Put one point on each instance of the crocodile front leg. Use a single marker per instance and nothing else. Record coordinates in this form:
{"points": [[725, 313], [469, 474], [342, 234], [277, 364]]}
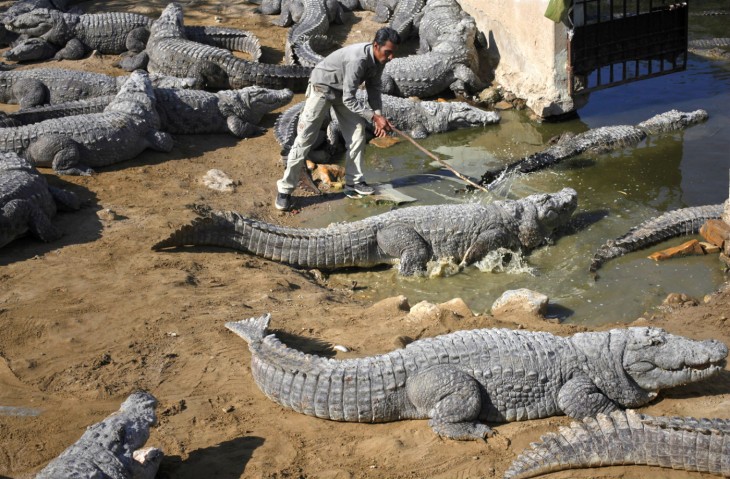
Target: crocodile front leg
{"points": [[488, 241], [19, 213], [130, 61], [60, 152], [580, 397], [402, 241], [243, 129], [30, 92], [73, 50], [452, 399], [137, 39], [160, 141]]}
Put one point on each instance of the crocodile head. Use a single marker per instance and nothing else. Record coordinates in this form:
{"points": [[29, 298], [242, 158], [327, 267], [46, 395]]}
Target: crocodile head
{"points": [[252, 103], [538, 216], [31, 49], [462, 115], [170, 24], [41, 22], [166, 81], [656, 359], [672, 120]]}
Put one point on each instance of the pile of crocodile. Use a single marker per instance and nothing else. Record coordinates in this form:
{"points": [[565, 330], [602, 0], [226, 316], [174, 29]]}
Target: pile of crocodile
{"points": [[59, 35]]}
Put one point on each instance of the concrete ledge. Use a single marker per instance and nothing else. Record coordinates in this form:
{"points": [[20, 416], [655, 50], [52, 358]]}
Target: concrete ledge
{"points": [[530, 52]]}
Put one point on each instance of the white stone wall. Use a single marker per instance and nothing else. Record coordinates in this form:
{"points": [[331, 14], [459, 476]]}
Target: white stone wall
{"points": [[531, 52]]}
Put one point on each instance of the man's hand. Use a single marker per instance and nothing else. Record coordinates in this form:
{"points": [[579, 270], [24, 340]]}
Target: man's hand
{"points": [[382, 125]]}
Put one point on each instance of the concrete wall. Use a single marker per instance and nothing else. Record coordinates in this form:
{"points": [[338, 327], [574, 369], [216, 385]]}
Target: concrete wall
{"points": [[530, 51]]}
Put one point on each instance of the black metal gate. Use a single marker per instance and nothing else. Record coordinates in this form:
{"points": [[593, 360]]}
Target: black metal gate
{"points": [[619, 41]]}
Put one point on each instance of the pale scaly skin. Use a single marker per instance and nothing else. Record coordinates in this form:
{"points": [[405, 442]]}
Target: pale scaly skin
{"points": [[459, 379], [629, 437], [111, 449], [415, 235]]}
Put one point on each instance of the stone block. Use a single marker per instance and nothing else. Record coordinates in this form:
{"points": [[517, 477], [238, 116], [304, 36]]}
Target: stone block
{"points": [[458, 307], [424, 311], [691, 247], [520, 300], [715, 232], [393, 306]]}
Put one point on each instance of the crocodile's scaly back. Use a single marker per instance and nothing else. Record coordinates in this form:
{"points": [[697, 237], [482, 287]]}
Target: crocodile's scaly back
{"points": [[37, 114], [684, 221], [490, 374], [461, 233], [597, 140], [106, 449], [629, 437]]}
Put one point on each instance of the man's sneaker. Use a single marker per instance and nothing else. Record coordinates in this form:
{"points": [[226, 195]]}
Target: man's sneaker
{"points": [[358, 190], [283, 202]]}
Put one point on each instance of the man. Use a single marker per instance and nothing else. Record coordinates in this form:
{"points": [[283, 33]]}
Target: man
{"points": [[333, 83]]}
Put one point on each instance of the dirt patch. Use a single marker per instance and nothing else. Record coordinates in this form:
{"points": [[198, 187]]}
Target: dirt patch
{"points": [[87, 320]]}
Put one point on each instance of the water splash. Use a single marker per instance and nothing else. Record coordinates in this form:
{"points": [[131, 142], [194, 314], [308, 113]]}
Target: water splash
{"points": [[503, 260]]}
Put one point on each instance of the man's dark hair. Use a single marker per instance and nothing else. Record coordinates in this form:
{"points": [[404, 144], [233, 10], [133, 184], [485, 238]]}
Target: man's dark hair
{"points": [[386, 34]]}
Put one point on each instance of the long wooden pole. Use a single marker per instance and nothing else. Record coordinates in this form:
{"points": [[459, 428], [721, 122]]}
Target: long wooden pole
{"points": [[431, 155]]}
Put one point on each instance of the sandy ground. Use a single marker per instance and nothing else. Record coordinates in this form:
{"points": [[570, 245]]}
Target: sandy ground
{"points": [[88, 319]]}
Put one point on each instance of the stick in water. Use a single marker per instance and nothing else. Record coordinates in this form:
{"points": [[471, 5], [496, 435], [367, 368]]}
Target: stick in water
{"points": [[449, 167]]}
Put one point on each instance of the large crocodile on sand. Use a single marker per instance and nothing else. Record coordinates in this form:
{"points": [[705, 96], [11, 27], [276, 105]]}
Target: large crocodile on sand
{"points": [[629, 437], [684, 221], [496, 375], [171, 53], [463, 233], [605, 138], [73, 145], [187, 112], [28, 202], [39, 86], [111, 449]]}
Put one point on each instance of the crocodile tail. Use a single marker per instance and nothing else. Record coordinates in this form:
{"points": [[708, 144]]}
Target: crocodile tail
{"points": [[231, 39], [216, 229], [628, 437], [684, 221], [252, 330]]}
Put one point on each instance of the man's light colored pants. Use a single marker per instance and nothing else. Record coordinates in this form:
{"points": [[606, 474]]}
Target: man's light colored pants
{"points": [[310, 121]]}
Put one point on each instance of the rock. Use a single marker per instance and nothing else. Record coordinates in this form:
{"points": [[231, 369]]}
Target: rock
{"points": [[489, 96], [520, 300], [385, 141], [108, 214], [424, 311], [685, 249], [709, 248], [681, 299], [503, 105], [392, 306], [217, 180], [715, 232], [726, 212], [458, 307]]}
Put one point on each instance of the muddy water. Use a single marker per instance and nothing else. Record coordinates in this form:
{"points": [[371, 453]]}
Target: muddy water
{"points": [[616, 191]]}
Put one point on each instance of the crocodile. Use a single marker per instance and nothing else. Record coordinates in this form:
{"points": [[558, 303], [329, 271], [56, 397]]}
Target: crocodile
{"points": [[404, 17], [59, 35], [596, 140], [496, 375], [28, 202], [185, 112], [111, 449], [464, 233], [448, 64], [630, 437], [684, 221], [418, 118], [314, 22], [56, 85], [170, 53], [75, 144], [709, 43]]}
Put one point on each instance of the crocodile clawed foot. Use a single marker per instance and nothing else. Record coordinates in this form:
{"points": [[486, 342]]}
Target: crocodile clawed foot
{"points": [[462, 431]]}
